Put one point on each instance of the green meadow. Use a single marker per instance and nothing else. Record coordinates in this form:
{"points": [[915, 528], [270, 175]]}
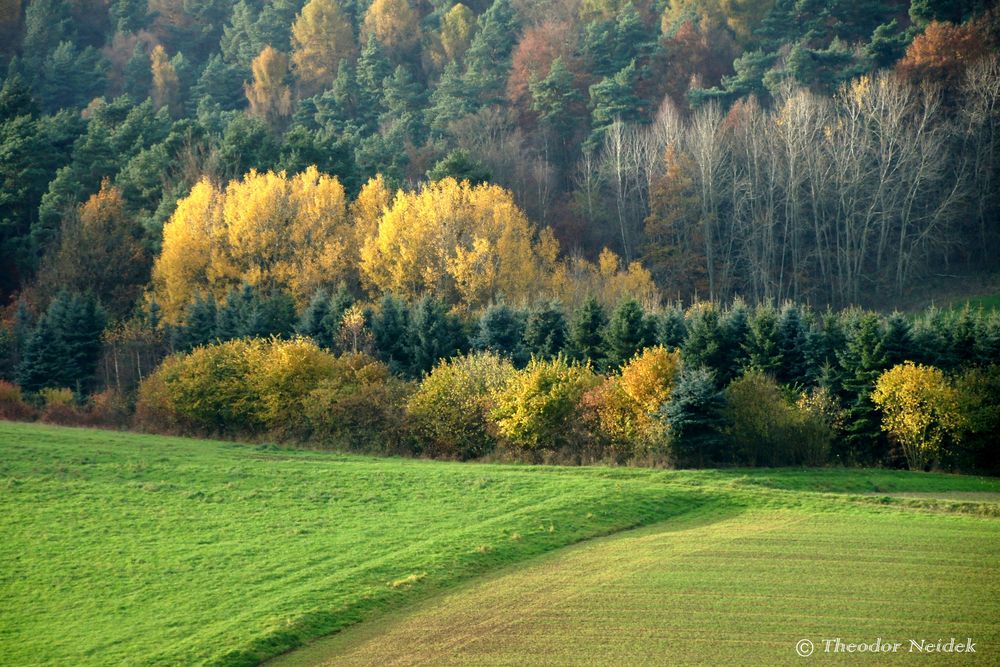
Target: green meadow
{"points": [[118, 548]]}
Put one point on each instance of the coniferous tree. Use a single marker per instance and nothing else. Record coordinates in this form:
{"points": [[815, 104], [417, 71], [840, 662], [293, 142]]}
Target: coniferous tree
{"points": [[693, 416], [763, 350], [545, 332], [793, 367], [703, 347], [65, 345], [391, 329], [199, 325], [671, 329], [501, 330], [434, 334], [629, 331], [449, 101], [586, 333], [862, 360], [613, 99], [488, 58]]}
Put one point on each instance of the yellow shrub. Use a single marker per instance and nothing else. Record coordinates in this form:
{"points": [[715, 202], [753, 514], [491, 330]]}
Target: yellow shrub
{"points": [[920, 410]]}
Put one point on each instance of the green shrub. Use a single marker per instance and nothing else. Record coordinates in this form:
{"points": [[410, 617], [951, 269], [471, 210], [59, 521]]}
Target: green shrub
{"points": [[767, 429], [979, 402], [358, 406], [540, 408], [448, 415]]}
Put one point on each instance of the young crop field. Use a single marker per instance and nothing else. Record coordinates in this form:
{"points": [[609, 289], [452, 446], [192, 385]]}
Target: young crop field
{"points": [[118, 548]]}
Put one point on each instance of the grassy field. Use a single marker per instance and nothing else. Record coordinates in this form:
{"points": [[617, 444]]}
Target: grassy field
{"points": [[712, 588], [124, 549]]}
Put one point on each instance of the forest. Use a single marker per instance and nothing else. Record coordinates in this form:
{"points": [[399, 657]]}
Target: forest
{"points": [[710, 189]]}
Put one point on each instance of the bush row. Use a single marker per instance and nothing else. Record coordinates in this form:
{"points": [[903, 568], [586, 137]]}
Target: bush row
{"points": [[655, 410]]}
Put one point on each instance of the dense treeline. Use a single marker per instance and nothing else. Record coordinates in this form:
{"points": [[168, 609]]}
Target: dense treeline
{"points": [[729, 146], [761, 385]]}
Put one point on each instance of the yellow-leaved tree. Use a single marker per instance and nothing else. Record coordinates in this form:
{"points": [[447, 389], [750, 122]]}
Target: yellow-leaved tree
{"points": [[321, 37], [268, 230], [395, 25], [464, 243], [920, 411]]}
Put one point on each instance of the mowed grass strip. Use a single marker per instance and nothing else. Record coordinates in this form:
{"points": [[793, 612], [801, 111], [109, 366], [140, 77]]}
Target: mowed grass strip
{"points": [[740, 589], [117, 548]]}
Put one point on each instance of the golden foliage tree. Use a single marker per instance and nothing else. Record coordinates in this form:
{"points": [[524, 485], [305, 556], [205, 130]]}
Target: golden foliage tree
{"points": [[268, 230], [166, 84], [99, 248], [920, 411], [457, 28], [457, 241], [395, 25], [321, 37], [269, 95]]}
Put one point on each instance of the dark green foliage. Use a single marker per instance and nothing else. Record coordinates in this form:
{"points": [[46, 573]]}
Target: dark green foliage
{"points": [[488, 58], [403, 99], [545, 332], [629, 331], [64, 347], [137, 75], [221, 83], [705, 344], [501, 330], [694, 417], [614, 99], [434, 334], [321, 318], [793, 341], [247, 144], [897, 341], [671, 329], [373, 69], [763, 351], [449, 101], [862, 360], [199, 326], [390, 326], [459, 165], [586, 333], [887, 45]]}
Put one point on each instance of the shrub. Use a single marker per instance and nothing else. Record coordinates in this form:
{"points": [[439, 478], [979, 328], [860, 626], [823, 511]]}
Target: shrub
{"points": [[979, 403], [107, 408], [920, 411], [280, 379], [358, 406], [12, 403], [766, 429], [448, 415], [621, 412], [539, 409], [60, 406]]}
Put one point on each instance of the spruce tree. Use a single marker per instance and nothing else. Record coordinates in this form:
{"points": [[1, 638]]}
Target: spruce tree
{"points": [[693, 416], [792, 346], [863, 359], [629, 331], [199, 325], [705, 332], [763, 351], [586, 333], [390, 327], [671, 329], [545, 332], [434, 334], [501, 330]]}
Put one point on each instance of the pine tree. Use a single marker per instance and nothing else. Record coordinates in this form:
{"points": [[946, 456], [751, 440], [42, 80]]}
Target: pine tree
{"points": [[629, 331], [449, 101], [237, 44], [693, 416], [671, 329], [501, 330], [199, 326], [614, 99], [586, 333], [403, 99], [488, 58], [553, 99], [390, 327], [138, 77], [545, 332], [434, 334], [372, 69]]}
